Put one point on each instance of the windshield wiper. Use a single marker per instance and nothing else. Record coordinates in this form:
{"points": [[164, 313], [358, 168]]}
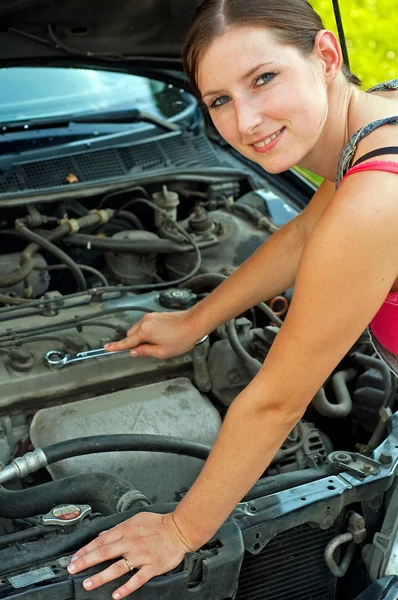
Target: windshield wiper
{"points": [[118, 117]]}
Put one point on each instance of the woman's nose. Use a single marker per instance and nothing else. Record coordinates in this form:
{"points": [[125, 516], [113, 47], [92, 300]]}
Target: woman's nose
{"points": [[248, 116]]}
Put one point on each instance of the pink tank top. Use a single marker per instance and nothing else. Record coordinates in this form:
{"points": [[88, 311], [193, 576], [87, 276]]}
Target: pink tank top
{"points": [[384, 324]]}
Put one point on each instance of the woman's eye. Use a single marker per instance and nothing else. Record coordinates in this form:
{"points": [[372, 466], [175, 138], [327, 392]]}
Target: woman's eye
{"points": [[264, 78], [220, 101]]}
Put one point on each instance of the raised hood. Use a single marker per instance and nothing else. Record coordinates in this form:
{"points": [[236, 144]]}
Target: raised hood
{"points": [[33, 31]]}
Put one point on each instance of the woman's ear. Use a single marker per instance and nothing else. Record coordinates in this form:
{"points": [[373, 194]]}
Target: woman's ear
{"points": [[327, 51]]}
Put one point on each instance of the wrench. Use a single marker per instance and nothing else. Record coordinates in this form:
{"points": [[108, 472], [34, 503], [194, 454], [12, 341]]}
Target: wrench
{"points": [[59, 358]]}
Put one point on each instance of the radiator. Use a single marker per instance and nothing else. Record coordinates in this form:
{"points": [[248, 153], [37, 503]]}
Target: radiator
{"points": [[290, 567]]}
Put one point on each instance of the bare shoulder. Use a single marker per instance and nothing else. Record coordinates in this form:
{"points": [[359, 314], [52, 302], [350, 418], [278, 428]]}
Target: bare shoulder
{"points": [[385, 104]]}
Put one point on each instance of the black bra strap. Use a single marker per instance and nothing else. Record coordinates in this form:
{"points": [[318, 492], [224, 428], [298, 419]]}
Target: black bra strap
{"points": [[377, 152]]}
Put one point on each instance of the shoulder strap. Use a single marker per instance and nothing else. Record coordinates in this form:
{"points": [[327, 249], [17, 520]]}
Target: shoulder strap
{"points": [[377, 152], [375, 165]]}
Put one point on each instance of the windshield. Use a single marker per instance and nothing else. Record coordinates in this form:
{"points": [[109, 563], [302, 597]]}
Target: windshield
{"points": [[45, 92]]}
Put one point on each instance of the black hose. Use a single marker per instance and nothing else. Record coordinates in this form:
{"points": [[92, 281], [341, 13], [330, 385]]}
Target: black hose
{"points": [[285, 481], [131, 217], [27, 263], [20, 536], [125, 442], [375, 363], [87, 268], [252, 364], [57, 252], [100, 490], [204, 280], [390, 388], [160, 246]]}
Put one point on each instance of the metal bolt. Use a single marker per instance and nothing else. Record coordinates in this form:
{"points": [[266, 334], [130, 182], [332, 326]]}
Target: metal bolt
{"points": [[367, 468], [343, 457], [327, 522], [385, 459]]}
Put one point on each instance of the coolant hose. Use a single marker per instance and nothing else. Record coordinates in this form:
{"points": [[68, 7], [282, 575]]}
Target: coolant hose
{"points": [[390, 388], [389, 383], [42, 457], [108, 493], [285, 481], [125, 442], [344, 402]]}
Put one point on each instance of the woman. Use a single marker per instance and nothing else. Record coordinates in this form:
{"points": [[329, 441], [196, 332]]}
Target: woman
{"points": [[273, 82]]}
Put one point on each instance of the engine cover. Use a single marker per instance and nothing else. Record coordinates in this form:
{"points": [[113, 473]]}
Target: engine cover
{"points": [[169, 408]]}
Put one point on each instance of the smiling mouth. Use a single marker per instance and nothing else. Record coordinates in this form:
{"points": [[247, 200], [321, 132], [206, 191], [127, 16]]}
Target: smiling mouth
{"points": [[268, 140]]}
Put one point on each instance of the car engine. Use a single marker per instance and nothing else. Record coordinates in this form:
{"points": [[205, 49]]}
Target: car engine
{"points": [[88, 438]]}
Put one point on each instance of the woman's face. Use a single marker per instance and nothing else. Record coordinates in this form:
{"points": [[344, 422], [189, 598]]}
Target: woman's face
{"points": [[266, 99]]}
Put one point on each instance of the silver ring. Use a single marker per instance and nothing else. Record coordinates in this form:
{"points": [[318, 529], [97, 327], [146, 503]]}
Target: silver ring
{"points": [[130, 568]]}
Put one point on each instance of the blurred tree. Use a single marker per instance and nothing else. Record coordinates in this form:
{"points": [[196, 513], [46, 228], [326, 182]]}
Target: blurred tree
{"points": [[371, 32], [370, 28]]}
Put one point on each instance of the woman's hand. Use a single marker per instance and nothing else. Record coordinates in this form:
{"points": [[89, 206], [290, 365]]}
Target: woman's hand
{"points": [[161, 335], [150, 542]]}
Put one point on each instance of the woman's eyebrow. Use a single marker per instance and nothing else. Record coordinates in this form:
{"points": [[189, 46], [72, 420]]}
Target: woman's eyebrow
{"points": [[245, 76]]}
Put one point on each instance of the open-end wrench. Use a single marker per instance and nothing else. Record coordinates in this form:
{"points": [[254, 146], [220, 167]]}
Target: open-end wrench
{"points": [[59, 358]]}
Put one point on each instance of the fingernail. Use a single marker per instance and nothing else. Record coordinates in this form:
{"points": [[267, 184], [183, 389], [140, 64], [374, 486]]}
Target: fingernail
{"points": [[87, 584], [71, 568], [116, 595], [133, 353], [74, 557]]}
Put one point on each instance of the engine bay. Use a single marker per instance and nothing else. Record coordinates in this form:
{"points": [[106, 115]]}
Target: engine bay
{"points": [[127, 434]]}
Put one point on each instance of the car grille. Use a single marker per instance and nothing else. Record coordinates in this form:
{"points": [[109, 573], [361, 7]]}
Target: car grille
{"points": [[290, 567]]}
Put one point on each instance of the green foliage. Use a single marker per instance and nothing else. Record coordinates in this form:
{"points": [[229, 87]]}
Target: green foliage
{"points": [[370, 28]]}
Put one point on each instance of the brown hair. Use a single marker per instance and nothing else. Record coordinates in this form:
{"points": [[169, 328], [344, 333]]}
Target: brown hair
{"points": [[295, 23]]}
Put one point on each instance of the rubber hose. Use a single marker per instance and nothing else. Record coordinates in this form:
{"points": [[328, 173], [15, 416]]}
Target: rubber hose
{"points": [[197, 283], [57, 252], [125, 442], [86, 488], [390, 388], [252, 364], [375, 363], [132, 218], [285, 481], [344, 402], [13, 558], [270, 313], [26, 262], [160, 246]]}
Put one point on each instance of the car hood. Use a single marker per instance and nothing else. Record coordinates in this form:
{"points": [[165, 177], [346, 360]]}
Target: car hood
{"points": [[43, 30]]}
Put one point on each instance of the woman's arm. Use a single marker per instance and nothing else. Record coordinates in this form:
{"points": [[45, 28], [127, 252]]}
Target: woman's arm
{"points": [[268, 272], [348, 266], [346, 270]]}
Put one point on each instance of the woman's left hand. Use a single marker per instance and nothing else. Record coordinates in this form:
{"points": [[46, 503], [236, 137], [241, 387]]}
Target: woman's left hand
{"points": [[150, 542]]}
